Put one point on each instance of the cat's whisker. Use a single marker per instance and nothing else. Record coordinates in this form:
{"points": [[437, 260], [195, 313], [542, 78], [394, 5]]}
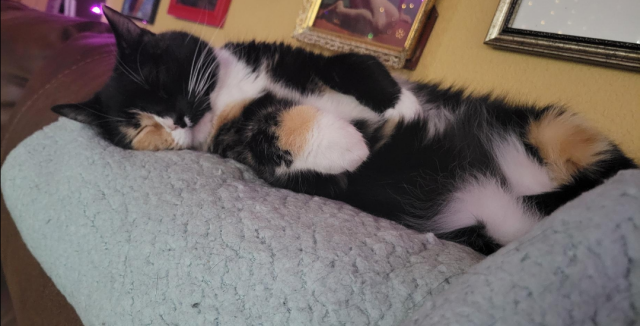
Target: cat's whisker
{"points": [[195, 71], [193, 32], [130, 73], [217, 30], [138, 63], [126, 69], [203, 76], [203, 106], [198, 69], [239, 49], [192, 78], [206, 79]]}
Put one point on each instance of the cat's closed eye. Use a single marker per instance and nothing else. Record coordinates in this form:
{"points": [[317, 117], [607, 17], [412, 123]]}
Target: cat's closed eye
{"points": [[153, 134]]}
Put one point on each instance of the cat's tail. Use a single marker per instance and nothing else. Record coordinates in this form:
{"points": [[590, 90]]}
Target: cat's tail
{"points": [[578, 157], [474, 237], [484, 214]]}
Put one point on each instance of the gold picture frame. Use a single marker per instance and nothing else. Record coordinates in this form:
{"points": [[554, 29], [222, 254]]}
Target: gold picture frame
{"points": [[393, 56], [585, 49]]}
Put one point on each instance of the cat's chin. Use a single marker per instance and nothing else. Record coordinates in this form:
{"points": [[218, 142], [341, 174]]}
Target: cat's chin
{"points": [[201, 131], [183, 138]]}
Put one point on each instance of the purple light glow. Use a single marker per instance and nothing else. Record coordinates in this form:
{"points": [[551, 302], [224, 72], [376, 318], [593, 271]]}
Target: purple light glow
{"points": [[96, 10]]}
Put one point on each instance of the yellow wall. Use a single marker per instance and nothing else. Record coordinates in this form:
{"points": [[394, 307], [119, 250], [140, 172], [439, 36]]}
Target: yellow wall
{"points": [[455, 54]]}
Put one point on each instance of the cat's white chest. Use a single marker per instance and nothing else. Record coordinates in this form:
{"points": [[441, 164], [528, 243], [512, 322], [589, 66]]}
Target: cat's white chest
{"points": [[237, 82]]}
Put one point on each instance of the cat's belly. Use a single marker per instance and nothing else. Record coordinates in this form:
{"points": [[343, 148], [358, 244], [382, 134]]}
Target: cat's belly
{"points": [[347, 108], [342, 106]]}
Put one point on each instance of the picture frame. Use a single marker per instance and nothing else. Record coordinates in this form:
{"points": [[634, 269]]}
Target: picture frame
{"points": [[207, 12], [142, 10], [542, 40], [348, 27]]}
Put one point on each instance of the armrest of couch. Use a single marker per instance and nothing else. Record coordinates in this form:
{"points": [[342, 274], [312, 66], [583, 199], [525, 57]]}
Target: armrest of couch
{"points": [[46, 60], [30, 38]]}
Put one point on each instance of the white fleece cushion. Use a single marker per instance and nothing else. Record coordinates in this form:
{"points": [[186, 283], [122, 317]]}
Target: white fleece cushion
{"points": [[186, 238]]}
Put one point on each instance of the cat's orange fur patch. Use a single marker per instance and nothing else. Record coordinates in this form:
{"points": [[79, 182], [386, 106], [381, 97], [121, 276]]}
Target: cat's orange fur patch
{"points": [[153, 138], [295, 127], [566, 143], [228, 114], [150, 136], [387, 130]]}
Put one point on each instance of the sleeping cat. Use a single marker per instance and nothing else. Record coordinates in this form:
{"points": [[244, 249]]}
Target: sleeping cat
{"points": [[475, 170]]}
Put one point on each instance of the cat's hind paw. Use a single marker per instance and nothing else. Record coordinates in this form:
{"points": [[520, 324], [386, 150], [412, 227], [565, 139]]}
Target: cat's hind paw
{"points": [[319, 141]]}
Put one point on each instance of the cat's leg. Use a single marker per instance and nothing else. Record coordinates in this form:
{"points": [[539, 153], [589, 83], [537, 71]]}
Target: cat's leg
{"points": [[366, 79], [362, 76], [296, 147], [587, 179], [474, 237], [318, 141]]}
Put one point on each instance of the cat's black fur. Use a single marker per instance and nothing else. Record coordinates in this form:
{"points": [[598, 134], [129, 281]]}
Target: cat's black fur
{"points": [[151, 75], [397, 177], [358, 75], [413, 171]]}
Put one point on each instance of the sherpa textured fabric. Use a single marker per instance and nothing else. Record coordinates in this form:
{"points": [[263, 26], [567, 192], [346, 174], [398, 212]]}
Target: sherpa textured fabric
{"points": [[580, 266], [186, 238]]}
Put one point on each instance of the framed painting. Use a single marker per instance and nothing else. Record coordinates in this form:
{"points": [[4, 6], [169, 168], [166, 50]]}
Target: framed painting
{"points": [[143, 10], [601, 32], [207, 12], [388, 29]]}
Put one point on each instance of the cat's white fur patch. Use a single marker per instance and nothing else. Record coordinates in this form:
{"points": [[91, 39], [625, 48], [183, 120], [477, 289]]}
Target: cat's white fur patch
{"points": [[236, 82], [340, 105], [182, 137], [188, 122], [483, 200], [333, 146], [202, 130], [438, 119], [167, 123], [408, 107], [524, 174]]}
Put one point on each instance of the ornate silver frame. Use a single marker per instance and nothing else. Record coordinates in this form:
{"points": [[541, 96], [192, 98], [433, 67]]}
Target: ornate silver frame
{"points": [[604, 52]]}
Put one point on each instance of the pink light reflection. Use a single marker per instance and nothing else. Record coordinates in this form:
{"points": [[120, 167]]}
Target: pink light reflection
{"points": [[96, 10]]}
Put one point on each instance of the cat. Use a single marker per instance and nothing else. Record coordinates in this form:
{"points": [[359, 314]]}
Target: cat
{"points": [[472, 169]]}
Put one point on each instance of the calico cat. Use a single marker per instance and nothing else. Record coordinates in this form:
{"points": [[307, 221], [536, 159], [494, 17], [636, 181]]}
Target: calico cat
{"points": [[475, 170]]}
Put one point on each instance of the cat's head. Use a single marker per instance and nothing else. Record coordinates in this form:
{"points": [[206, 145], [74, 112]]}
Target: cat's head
{"points": [[158, 92]]}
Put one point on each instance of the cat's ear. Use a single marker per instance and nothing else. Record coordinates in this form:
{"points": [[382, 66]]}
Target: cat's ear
{"points": [[87, 112], [127, 33]]}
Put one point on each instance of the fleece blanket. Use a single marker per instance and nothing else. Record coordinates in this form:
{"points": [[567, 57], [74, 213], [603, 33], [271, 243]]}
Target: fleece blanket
{"points": [[186, 238], [580, 266]]}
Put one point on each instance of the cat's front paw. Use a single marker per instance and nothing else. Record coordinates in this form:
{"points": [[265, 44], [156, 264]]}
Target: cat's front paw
{"points": [[320, 141]]}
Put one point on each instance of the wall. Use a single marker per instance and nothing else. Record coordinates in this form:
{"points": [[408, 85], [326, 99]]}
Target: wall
{"points": [[455, 54]]}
